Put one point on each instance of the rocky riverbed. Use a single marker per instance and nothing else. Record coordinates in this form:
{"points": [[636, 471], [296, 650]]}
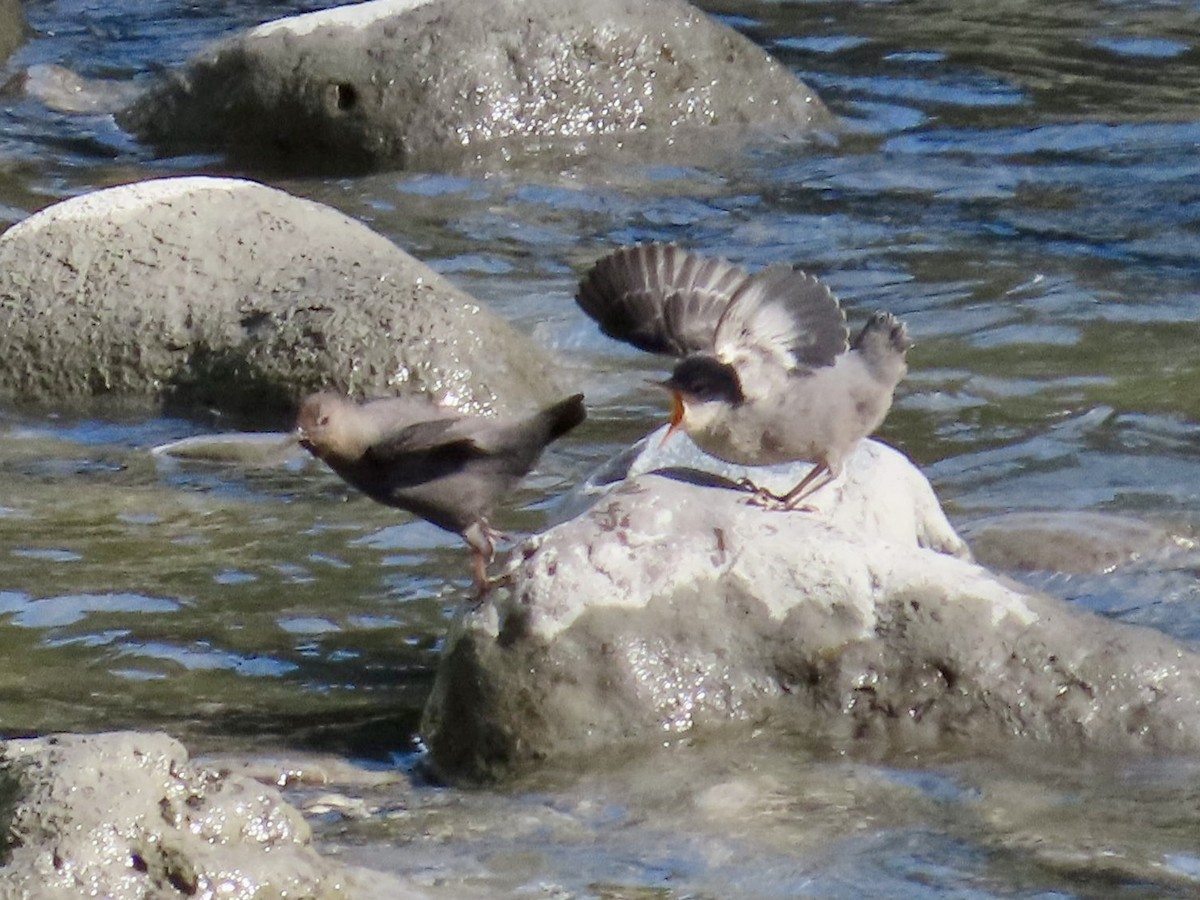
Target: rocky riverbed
{"points": [[1014, 182]]}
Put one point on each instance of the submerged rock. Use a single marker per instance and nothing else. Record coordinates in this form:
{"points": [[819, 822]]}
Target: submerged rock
{"points": [[65, 91], [443, 83], [220, 293], [127, 815], [1069, 541], [267, 449], [671, 606]]}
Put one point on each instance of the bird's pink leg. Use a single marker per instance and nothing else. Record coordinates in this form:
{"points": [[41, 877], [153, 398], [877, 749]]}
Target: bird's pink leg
{"points": [[816, 478], [819, 476], [478, 575], [482, 538]]}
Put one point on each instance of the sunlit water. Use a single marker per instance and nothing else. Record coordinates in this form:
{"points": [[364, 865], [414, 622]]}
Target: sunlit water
{"points": [[1019, 181]]}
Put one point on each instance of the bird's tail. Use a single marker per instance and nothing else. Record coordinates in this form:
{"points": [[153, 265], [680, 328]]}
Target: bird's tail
{"points": [[883, 343], [559, 418]]}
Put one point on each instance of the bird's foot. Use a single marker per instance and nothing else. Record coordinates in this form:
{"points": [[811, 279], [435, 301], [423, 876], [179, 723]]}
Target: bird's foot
{"points": [[485, 585], [775, 503], [481, 556], [759, 494], [496, 537], [764, 499], [505, 579]]}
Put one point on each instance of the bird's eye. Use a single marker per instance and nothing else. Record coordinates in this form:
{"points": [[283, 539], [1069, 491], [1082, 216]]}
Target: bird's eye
{"points": [[323, 421]]}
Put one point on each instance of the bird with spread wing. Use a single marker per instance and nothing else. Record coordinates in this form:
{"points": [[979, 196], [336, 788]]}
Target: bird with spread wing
{"points": [[767, 372]]}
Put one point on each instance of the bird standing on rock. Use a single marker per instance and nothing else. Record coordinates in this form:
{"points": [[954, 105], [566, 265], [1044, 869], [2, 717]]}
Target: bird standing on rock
{"points": [[450, 469], [766, 373]]}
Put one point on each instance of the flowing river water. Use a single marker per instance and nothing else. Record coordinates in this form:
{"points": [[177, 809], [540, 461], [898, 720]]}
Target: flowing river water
{"points": [[1018, 180]]}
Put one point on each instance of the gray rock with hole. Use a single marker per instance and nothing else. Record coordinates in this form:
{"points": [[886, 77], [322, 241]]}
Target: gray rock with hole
{"points": [[443, 84], [220, 293], [672, 606]]}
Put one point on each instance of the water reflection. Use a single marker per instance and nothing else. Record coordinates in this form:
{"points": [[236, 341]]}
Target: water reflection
{"points": [[55, 612]]}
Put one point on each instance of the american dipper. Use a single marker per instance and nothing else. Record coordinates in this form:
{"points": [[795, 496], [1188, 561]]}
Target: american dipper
{"points": [[447, 468], [766, 374]]}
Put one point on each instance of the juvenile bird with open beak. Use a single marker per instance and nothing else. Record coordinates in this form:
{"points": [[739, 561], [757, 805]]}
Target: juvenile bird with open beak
{"points": [[766, 372], [448, 468]]}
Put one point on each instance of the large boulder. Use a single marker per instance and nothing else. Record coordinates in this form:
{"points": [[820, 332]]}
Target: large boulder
{"points": [[445, 83], [219, 293], [128, 815], [673, 605]]}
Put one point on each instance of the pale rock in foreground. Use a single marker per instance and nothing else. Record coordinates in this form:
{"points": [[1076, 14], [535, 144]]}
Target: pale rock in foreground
{"points": [[670, 606], [226, 294], [447, 83], [128, 815]]}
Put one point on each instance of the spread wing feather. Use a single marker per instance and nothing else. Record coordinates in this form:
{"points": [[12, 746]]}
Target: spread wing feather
{"points": [[659, 298], [663, 299], [785, 313]]}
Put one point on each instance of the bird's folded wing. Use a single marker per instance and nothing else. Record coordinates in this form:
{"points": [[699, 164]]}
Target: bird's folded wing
{"points": [[436, 443], [784, 313], [659, 297]]}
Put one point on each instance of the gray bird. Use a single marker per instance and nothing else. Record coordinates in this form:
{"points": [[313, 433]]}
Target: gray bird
{"points": [[448, 468], [766, 373]]}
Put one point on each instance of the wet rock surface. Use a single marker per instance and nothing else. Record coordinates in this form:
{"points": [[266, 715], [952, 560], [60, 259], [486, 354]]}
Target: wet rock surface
{"points": [[225, 294], [128, 815], [445, 83], [671, 606]]}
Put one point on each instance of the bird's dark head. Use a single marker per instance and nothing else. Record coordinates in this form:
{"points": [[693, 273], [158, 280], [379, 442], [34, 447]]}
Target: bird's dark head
{"points": [[702, 387], [704, 379]]}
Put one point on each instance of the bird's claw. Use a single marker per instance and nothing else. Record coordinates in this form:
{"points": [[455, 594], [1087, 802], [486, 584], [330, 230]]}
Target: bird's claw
{"points": [[486, 585], [497, 537], [765, 499]]}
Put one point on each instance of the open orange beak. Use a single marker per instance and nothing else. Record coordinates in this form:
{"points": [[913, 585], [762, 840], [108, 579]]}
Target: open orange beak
{"points": [[676, 417]]}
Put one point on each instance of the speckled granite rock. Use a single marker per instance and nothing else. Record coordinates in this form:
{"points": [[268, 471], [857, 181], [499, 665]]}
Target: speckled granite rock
{"points": [[127, 815], [219, 293], [445, 83], [671, 606]]}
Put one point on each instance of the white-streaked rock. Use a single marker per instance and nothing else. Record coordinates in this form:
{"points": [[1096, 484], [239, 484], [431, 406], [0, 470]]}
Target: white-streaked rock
{"points": [[124, 204], [670, 606], [879, 492], [226, 294], [351, 15]]}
